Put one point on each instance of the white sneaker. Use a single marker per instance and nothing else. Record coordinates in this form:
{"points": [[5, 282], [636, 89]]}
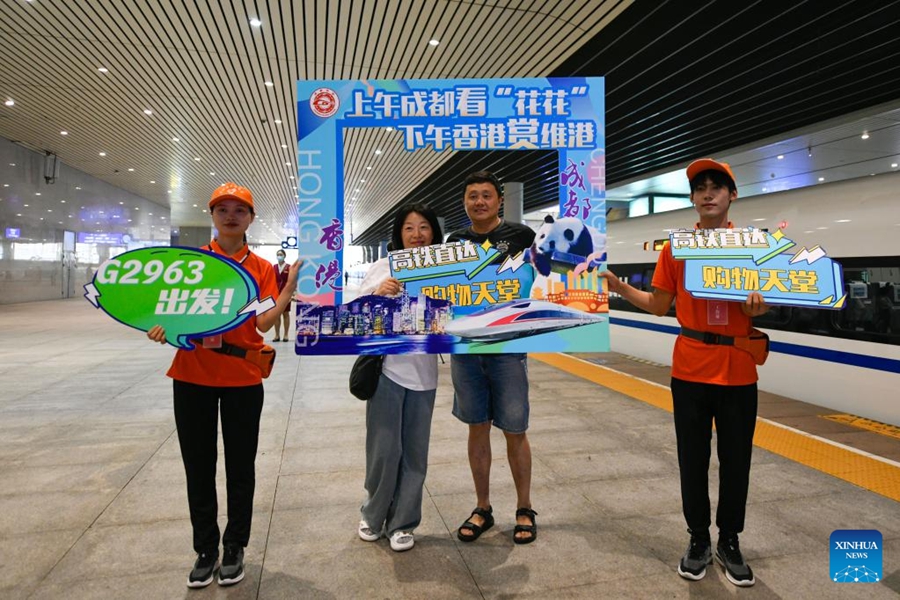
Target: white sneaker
{"points": [[366, 533], [402, 540]]}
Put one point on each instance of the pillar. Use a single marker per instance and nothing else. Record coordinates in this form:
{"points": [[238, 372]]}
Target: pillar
{"points": [[513, 201], [192, 237]]}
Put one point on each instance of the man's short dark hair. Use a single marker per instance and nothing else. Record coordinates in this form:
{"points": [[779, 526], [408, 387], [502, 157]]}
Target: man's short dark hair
{"points": [[717, 177], [437, 236], [484, 177]]}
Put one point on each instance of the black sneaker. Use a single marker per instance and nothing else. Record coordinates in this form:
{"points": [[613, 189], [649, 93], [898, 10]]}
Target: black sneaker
{"points": [[204, 569], [698, 555], [728, 554], [232, 569]]}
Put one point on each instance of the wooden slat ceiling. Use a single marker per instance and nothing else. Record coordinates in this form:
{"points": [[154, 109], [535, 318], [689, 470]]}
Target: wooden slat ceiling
{"points": [[201, 69]]}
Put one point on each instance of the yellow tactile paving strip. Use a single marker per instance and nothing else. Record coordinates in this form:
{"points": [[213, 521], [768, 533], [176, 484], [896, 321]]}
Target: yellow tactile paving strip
{"points": [[860, 469], [867, 424]]}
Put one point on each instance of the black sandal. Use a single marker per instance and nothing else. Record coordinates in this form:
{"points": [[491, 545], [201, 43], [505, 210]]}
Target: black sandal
{"points": [[476, 530], [532, 529]]}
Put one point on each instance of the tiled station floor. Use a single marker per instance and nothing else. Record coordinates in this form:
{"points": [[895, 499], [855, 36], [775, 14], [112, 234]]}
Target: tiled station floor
{"points": [[93, 502]]}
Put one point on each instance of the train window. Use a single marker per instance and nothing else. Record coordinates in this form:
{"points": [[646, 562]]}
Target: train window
{"points": [[802, 320], [858, 290], [778, 317], [632, 275], [655, 245], [871, 312]]}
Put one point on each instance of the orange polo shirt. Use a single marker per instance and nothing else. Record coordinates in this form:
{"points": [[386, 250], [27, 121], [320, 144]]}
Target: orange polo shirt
{"points": [[692, 360], [205, 367]]}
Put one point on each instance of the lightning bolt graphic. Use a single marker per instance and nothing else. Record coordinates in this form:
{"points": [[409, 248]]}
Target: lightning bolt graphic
{"points": [[258, 306], [512, 264], [91, 293], [810, 256]]}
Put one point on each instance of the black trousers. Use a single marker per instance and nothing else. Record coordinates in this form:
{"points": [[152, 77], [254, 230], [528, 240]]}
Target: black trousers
{"points": [[733, 408], [197, 419]]}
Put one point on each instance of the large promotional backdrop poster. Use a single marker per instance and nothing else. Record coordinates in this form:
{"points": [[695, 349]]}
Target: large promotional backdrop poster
{"points": [[457, 298]]}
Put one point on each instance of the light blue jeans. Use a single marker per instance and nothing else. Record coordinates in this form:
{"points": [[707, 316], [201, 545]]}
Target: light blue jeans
{"points": [[398, 428]]}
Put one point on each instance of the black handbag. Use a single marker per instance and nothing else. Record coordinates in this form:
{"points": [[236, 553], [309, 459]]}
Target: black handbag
{"points": [[365, 374]]}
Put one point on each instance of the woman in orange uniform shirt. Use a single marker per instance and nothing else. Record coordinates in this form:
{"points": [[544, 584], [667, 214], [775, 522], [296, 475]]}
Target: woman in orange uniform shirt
{"points": [[206, 380]]}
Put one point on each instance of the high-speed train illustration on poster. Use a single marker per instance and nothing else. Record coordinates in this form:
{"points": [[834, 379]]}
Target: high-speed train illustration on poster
{"points": [[516, 319], [847, 360]]}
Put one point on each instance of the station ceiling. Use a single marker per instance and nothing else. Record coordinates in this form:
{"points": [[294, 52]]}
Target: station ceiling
{"points": [[180, 96]]}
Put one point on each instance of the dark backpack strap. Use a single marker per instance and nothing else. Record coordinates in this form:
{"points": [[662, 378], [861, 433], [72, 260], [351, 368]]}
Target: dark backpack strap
{"points": [[231, 350], [708, 338]]}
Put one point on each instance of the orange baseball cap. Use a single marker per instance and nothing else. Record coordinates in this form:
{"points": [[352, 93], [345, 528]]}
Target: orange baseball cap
{"points": [[708, 164], [231, 191]]}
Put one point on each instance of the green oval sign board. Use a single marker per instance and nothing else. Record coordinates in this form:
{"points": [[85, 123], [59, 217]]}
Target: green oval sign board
{"points": [[191, 293]]}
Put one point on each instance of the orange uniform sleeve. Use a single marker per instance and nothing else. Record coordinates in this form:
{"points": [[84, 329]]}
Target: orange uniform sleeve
{"points": [[665, 277]]}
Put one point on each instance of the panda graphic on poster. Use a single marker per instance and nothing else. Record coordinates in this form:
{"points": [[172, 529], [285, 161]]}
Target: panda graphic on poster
{"points": [[566, 245]]}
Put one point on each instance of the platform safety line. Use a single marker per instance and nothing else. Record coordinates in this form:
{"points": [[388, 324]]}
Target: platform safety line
{"points": [[869, 455], [865, 424], [874, 473]]}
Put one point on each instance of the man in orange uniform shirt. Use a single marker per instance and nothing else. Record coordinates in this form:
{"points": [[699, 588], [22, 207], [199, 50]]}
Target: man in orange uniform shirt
{"points": [[711, 380]]}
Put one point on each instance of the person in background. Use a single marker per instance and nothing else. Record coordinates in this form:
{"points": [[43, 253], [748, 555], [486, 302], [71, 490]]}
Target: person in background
{"points": [[492, 389], [208, 380], [712, 380], [398, 416], [282, 270]]}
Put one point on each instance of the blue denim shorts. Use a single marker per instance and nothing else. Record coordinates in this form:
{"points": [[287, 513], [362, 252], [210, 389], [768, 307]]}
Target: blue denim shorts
{"points": [[491, 387]]}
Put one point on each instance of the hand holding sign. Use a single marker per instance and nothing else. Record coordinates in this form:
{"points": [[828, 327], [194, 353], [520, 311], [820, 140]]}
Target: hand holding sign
{"points": [[176, 294], [388, 287], [157, 334], [755, 305]]}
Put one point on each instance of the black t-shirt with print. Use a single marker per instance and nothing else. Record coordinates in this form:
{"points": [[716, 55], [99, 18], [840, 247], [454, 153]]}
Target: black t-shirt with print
{"points": [[508, 238]]}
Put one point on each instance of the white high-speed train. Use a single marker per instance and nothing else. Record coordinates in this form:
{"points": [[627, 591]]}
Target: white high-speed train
{"points": [[847, 360], [518, 318]]}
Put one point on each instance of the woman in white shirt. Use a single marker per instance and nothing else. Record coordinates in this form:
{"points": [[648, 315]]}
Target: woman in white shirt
{"points": [[398, 416]]}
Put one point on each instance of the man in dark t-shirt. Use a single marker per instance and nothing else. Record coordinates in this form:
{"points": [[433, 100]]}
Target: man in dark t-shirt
{"points": [[492, 389], [508, 238]]}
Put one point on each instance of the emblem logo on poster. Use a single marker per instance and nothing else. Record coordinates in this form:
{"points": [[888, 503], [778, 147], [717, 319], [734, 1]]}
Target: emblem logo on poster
{"points": [[324, 102], [856, 556]]}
